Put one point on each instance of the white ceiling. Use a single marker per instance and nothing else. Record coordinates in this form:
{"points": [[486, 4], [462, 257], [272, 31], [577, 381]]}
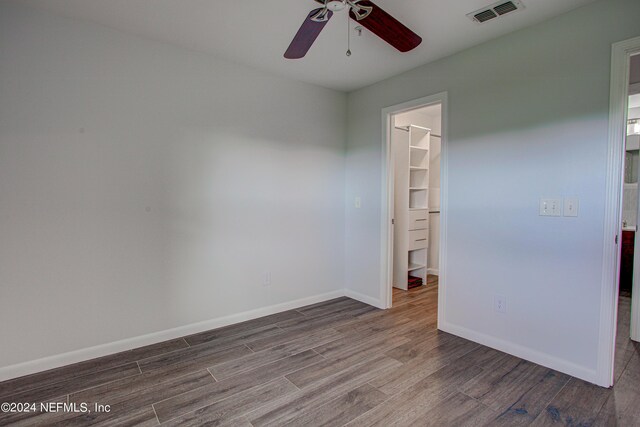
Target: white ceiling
{"points": [[257, 32]]}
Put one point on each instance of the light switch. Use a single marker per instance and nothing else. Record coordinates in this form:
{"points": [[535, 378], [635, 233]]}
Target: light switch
{"points": [[550, 207], [358, 202], [544, 207], [571, 206]]}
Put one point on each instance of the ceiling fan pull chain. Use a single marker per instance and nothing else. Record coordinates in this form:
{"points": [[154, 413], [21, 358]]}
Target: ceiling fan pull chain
{"points": [[348, 36]]}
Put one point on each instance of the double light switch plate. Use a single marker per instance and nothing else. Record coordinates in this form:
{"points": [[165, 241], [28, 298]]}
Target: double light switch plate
{"points": [[559, 207]]}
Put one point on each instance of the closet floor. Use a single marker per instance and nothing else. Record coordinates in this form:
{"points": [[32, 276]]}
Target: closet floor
{"points": [[333, 363]]}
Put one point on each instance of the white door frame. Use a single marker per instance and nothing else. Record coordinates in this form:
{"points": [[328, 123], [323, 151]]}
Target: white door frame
{"points": [[386, 257], [618, 109], [635, 296]]}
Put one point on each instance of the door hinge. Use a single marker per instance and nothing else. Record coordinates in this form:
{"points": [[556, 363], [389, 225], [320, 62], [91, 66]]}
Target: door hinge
{"points": [[393, 221], [616, 239]]}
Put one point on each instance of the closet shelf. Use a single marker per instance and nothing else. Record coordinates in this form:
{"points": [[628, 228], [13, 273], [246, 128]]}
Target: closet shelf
{"points": [[416, 127], [413, 267], [411, 205]]}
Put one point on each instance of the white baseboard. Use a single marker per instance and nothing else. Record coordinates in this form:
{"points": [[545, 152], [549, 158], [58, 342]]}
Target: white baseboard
{"points": [[56, 361], [523, 352], [363, 298], [434, 271]]}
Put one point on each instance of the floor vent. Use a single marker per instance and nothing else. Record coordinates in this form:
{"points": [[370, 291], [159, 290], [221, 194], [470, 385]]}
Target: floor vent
{"points": [[495, 10]]}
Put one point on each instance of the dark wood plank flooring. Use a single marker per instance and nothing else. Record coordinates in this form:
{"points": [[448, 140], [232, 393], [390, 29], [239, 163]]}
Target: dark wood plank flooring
{"points": [[335, 363]]}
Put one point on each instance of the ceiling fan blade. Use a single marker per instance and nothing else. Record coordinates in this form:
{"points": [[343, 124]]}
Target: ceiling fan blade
{"points": [[306, 35], [387, 28]]}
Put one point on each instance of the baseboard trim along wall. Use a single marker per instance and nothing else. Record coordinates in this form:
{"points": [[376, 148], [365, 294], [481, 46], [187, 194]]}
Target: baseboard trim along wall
{"points": [[56, 361], [522, 352], [81, 355], [363, 298], [433, 271]]}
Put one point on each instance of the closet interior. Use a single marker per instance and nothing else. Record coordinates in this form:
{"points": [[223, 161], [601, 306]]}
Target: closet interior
{"points": [[416, 144]]}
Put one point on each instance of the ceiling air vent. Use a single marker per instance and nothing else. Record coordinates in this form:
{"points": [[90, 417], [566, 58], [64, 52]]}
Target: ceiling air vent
{"points": [[485, 15], [503, 8], [495, 10]]}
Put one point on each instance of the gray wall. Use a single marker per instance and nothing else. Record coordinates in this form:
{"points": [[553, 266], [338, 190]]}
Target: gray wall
{"points": [[144, 187], [528, 117]]}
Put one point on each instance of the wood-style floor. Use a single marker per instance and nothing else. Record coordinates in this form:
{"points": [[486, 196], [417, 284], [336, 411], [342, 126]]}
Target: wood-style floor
{"points": [[334, 363]]}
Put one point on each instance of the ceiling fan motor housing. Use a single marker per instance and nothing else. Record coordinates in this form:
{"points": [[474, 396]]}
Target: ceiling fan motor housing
{"points": [[336, 5]]}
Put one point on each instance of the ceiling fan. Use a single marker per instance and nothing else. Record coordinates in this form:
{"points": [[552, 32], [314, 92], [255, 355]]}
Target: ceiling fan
{"points": [[366, 13]]}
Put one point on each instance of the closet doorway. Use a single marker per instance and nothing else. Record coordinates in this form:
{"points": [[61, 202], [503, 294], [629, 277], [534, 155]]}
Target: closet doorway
{"points": [[415, 135], [620, 318]]}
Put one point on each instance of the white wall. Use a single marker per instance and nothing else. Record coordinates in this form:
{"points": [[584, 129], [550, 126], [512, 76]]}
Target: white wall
{"points": [[144, 187], [415, 117], [528, 119]]}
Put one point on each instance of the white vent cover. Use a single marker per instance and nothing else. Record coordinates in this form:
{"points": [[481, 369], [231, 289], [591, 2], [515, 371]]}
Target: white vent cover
{"points": [[495, 10]]}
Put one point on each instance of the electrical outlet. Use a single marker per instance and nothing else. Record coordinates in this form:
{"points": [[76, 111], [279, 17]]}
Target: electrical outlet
{"points": [[267, 279], [358, 202], [499, 304]]}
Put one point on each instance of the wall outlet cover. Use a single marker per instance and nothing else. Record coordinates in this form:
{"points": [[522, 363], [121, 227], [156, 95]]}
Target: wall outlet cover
{"points": [[571, 206], [499, 304], [267, 279]]}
